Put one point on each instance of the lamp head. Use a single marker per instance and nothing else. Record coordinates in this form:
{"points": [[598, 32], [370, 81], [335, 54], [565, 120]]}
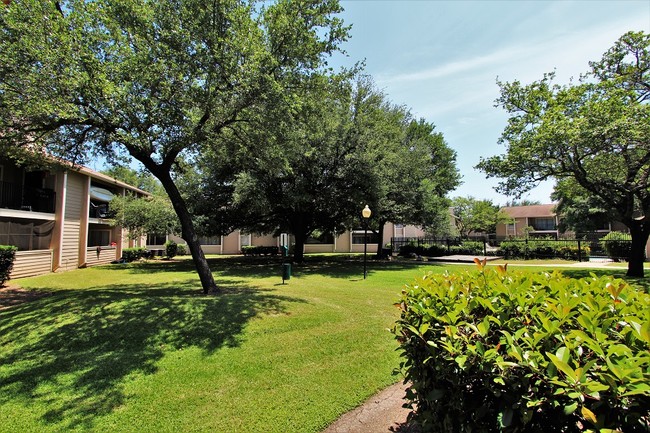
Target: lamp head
{"points": [[366, 212]]}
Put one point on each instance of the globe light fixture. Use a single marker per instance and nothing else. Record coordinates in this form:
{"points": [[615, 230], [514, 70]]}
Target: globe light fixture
{"points": [[366, 212]]}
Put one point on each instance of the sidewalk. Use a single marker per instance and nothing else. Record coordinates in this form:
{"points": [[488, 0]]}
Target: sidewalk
{"points": [[382, 413]]}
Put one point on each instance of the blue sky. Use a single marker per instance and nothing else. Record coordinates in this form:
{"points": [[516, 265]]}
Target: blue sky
{"points": [[442, 59]]}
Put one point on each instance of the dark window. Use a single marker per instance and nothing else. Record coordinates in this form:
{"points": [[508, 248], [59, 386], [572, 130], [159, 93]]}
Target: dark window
{"points": [[99, 237], [324, 238], [156, 239], [543, 223], [357, 238], [26, 234], [210, 240]]}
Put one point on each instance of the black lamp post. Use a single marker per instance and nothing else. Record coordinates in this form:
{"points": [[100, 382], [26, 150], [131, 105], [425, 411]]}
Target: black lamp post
{"points": [[366, 214]]}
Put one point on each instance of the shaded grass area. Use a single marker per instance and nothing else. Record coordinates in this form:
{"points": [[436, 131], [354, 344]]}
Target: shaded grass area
{"points": [[139, 348]]}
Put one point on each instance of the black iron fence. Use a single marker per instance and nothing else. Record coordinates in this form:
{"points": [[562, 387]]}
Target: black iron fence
{"points": [[21, 197], [583, 247]]}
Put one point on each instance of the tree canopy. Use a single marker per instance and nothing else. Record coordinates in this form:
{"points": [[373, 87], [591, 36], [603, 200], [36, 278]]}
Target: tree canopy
{"points": [[155, 81], [472, 215], [595, 132]]}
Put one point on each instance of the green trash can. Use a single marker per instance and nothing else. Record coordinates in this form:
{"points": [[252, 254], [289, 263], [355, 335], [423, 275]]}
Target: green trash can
{"points": [[286, 271]]}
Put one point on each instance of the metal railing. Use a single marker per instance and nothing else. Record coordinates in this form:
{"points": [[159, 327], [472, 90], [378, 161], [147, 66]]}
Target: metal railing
{"points": [[578, 248], [21, 197]]}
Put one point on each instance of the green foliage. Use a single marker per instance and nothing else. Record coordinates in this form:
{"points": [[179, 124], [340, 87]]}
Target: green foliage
{"points": [[476, 216], [133, 254], [181, 249], [156, 81], [617, 244], [543, 249], [473, 248], [171, 249], [493, 351], [259, 250], [592, 135], [144, 215], [7, 256]]}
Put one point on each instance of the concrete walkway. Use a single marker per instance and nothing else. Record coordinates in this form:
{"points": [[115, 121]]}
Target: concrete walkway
{"points": [[382, 413]]}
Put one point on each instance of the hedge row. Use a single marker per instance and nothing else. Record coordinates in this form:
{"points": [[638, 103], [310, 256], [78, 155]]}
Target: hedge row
{"points": [[259, 251], [494, 351], [543, 249], [437, 250], [133, 254], [7, 256]]}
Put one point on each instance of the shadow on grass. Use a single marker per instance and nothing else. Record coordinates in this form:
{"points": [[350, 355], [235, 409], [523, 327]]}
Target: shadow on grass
{"points": [[73, 350], [335, 266]]}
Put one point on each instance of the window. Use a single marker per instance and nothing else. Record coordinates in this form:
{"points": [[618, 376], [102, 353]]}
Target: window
{"points": [[156, 239], [245, 240], [543, 223], [26, 234], [357, 238], [210, 240], [99, 237], [320, 238]]}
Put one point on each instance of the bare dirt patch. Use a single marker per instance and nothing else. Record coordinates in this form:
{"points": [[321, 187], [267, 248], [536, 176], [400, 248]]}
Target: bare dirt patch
{"points": [[12, 295]]}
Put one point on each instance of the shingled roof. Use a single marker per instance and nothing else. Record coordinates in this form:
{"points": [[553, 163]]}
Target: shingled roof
{"points": [[533, 211]]}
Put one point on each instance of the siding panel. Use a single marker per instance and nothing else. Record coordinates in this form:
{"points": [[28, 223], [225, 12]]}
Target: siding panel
{"points": [[30, 263]]}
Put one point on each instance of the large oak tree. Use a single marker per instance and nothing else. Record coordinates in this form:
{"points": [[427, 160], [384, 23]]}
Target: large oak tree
{"points": [[158, 81], [595, 132]]}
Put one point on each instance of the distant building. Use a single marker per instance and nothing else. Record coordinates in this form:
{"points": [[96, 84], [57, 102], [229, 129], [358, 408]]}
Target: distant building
{"points": [[57, 218]]}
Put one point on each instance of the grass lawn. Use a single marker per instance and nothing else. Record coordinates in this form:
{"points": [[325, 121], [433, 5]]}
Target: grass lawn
{"points": [[140, 348]]}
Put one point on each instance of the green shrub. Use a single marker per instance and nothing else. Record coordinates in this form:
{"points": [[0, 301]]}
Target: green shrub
{"points": [[171, 249], [617, 244], [181, 250], [133, 254], [491, 351], [473, 248], [543, 249], [7, 257], [259, 250]]}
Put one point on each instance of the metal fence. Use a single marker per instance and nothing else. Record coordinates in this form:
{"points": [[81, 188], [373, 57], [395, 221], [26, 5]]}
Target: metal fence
{"points": [[582, 247]]}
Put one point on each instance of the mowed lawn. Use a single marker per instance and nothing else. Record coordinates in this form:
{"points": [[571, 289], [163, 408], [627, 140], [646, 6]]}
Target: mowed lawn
{"points": [[139, 348]]}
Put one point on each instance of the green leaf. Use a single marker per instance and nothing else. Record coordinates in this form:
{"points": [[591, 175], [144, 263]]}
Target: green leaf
{"points": [[568, 410], [588, 415], [563, 367]]}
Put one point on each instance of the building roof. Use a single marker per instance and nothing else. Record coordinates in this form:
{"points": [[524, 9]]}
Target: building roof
{"points": [[533, 211]]}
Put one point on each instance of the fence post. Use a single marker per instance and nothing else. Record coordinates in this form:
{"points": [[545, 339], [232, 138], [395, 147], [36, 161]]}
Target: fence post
{"points": [[448, 248], [579, 251]]}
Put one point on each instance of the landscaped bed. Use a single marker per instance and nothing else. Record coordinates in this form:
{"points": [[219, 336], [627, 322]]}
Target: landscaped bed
{"points": [[138, 347]]}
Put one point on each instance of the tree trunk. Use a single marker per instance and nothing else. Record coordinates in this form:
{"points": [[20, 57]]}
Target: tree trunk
{"points": [[299, 247], [188, 233], [640, 231]]}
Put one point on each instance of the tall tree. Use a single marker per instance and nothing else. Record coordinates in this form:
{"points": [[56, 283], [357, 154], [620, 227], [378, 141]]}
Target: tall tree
{"points": [[314, 186], [416, 169], [595, 132], [581, 211], [152, 215], [476, 216], [156, 81]]}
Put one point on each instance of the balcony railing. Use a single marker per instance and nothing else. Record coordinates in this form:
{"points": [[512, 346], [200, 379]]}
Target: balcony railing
{"points": [[21, 197]]}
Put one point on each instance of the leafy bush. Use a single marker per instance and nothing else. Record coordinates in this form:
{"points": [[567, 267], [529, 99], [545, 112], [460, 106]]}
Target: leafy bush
{"points": [[133, 254], [7, 257], [171, 249], [543, 249], [473, 248], [617, 244], [181, 249], [259, 250], [491, 351]]}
